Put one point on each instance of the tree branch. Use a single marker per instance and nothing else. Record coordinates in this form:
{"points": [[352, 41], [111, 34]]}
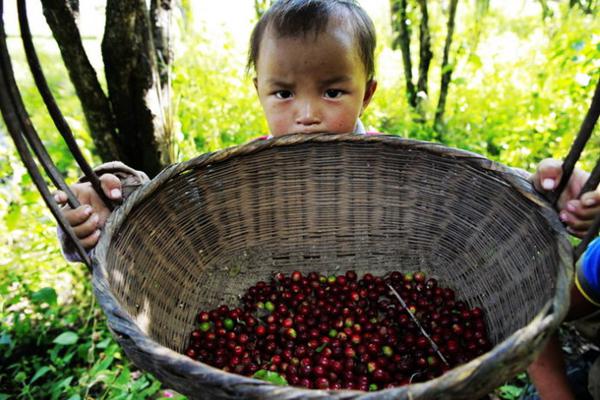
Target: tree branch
{"points": [[74, 4], [425, 54], [402, 40], [160, 12], [133, 82], [260, 7], [546, 10], [61, 19], [446, 69]]}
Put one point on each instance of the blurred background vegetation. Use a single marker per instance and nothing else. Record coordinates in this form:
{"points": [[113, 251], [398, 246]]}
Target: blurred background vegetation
{"points": [[523, 73]]}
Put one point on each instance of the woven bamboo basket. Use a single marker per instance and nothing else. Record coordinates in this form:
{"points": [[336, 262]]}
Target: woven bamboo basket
{"points": [[202, 231]]}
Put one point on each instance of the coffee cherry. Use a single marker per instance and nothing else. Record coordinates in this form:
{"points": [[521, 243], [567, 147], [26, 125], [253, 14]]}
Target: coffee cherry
{"points": [[419, 277], [203, 317], [296, 276], [351, 276]]}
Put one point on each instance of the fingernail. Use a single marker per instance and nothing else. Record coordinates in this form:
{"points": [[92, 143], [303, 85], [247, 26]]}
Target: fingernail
{"points": [[57, 198], [115, 194], [564, 217], [571, 206], [94, 218], [589, 202], [87, 210], [548, 184]]}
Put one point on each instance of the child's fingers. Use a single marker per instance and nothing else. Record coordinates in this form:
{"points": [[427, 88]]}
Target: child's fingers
{"points": [[111, 186], [91, 240], [60, 197], [587, 207], [591, 199], [575, 222], [547, 175], [77, 216], [87, 227]]}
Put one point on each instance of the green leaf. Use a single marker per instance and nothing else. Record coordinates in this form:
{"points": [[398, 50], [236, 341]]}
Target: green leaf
{"points": [[57, 389], [101, 365], [151, 390], [123, 377], [44, 295], [321, 347], [13, 217], [270, 376], [475, 60], [4, 396], [40, 372], [75, 397], [103, 344], [66, 338], [510, 392], [448, 68], [20, 377]]}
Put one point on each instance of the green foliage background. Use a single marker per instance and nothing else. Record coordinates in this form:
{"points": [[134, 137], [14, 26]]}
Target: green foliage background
{"points": [[517, 106]]}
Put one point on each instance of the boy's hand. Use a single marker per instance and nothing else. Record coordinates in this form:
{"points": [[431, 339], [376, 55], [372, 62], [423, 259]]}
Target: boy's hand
{"points": [[90, 216], [577, 214]]}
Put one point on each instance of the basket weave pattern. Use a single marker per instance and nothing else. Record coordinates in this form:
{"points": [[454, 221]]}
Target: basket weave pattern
{"points": [[203, 231]]}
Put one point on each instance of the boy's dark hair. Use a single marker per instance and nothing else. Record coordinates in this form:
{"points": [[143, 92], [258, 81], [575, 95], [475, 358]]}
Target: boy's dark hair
{"points": [[300, 17]]}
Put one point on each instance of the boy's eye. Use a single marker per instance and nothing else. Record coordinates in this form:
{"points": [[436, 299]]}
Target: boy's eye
{"points": [[283, 94], [333, 93]]}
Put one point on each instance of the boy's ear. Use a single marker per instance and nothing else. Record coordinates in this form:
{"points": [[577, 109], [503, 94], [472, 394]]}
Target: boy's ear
{"points": [[370, 90]]}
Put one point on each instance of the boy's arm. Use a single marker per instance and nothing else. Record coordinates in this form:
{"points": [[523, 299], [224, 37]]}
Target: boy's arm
{"points": [[130, 179], [548, 371], [585, 296]]}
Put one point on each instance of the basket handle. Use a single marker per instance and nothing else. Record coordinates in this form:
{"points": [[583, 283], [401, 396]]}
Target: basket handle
{"points": [[25, 136], [55, 114], [585, 132]]}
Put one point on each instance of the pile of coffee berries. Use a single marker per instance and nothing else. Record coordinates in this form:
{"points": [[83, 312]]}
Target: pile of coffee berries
{"points": [[339, 332]]}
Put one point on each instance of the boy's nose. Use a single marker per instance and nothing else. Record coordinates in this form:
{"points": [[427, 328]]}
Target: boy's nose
{"points": [[308, 114]]}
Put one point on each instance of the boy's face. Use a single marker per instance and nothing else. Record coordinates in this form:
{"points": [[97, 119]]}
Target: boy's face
{"points": [[308, 84]]}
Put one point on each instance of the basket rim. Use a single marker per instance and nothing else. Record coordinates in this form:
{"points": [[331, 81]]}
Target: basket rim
{"points": [[546, 320]]}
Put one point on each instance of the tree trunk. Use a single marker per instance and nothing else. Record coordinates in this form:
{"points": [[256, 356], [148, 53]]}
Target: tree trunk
{"points": [[133, 84], [74, 4], [160, 14], [96, 108], [425, 54], [129, 123], [447, 68], [402, 40]]}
